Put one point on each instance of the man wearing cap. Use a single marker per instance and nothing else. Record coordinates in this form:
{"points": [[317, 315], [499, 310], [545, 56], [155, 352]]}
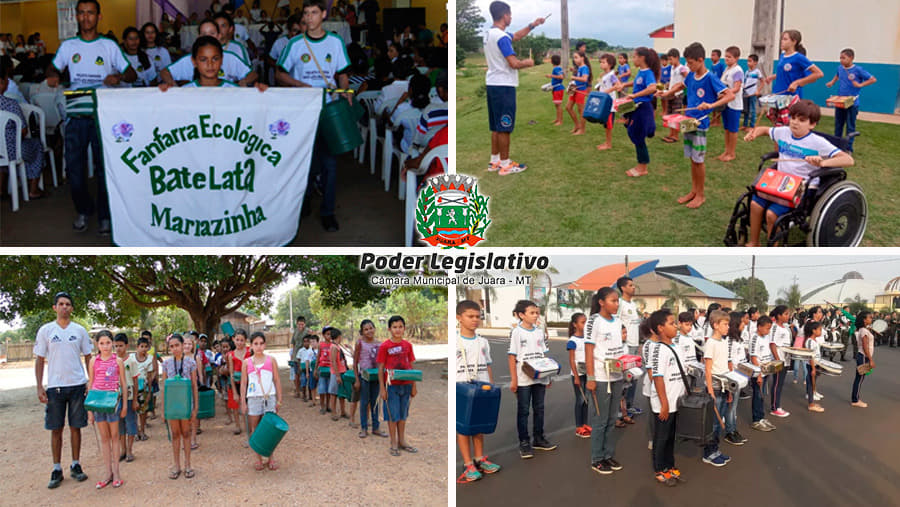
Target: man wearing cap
{"points": [[61, 344]]}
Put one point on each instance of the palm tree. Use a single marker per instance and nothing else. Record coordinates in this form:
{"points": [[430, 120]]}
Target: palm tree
{"points": [[676, 295], [534, 277], [790, 297], [488, 292], [582, 300]]}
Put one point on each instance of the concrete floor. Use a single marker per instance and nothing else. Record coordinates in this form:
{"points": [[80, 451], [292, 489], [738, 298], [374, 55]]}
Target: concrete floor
{"points": [[368, 216]]}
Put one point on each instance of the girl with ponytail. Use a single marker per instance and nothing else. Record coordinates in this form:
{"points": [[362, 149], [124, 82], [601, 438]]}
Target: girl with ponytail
{"points": [[641, 123]]}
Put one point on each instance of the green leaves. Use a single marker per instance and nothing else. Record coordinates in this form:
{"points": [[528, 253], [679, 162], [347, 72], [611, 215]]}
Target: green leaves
{"points": [[425, 218]]}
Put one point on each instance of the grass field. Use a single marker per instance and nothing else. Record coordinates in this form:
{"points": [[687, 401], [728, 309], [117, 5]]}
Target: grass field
{"points": [[574, 195]]}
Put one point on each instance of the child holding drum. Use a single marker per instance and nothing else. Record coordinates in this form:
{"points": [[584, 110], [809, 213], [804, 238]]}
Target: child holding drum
{"points": [[812, 331], [260, 389], [396, 354], [107, 373], [179, 365]]}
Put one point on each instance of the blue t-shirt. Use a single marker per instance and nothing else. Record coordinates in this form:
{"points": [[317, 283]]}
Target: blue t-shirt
{"points": [[643, 79], [719, 68], [790, 69], [706, 89], [665, 74], [846, 77], [620, 69], [557, 83], [583, 71]]}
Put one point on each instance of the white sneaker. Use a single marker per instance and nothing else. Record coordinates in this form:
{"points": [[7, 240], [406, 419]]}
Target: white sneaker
{"points": [[650, 444], [817, 396]]}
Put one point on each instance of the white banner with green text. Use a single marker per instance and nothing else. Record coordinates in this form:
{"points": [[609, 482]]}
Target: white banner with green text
{"points": [[207, 166]]}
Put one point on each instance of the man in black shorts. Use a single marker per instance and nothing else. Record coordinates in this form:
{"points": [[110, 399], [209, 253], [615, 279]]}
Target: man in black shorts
{"points": [[61, 344]]}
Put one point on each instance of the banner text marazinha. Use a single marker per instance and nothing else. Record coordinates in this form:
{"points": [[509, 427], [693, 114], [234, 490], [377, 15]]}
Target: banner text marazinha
{"points": [[167, 180]]}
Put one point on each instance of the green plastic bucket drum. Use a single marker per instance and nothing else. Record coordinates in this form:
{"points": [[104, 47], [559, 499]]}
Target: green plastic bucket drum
{"points": [[345, 388], [268, 434], [178, 398], [338, 125], [101, 401], [206, 403]]}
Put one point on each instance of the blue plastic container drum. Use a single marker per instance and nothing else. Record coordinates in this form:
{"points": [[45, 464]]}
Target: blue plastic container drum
{"points": [[477, 408]]}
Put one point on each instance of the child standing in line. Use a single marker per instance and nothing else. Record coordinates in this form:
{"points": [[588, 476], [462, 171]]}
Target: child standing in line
{"points": [[235, 362], [732, 77], [191, 350], [864, 355], [145, 367], [185, 367], [667, 387], [575, 346], [683, 342], [623, 71], [794, 71], [301, 359], [604, 340], [608, 84], [812, 331], [650, 341], [473, 360], [751, 91], [716, 362], [665, 75], [260, 389], [107, 373], [338, 368], [717, 69], [312, 369], [760, 352], [128, 424], [675, 101], [641, 123], [779, 337], [396, 354], [556, 80], [851, 79], [583, 78], [527, 342], [703, 89], [737, 353], [324, 361], [364, 355]]}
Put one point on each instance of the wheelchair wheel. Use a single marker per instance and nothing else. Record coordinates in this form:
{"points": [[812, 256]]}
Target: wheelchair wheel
{"points": [[739, 225], [839, 217]]}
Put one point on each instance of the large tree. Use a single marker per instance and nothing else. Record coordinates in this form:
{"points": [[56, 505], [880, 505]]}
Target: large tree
{"points": [[468, 26], [790, 296], [743, 288], [114, 289], [676, 296]]}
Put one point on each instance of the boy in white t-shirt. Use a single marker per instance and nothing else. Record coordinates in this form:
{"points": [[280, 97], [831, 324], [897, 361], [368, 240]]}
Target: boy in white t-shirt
{"points": [[668, 385], [675, 102], [684, 342], [93, 62], [527, 342], [473, 362], [317, 59], [760, 352], [631, 319], [796, 141], [733, 77], [715, 357]]}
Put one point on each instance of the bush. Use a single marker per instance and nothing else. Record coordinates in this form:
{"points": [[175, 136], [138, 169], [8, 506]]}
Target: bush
{"points": [[460, 56]]}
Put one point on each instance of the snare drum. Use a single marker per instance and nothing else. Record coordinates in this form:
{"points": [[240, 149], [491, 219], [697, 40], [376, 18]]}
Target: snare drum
{"points": [[798, 353], [840, 101], [733, 381], [879, 326], [748, 369], [630, 361], [681, 122], [580, 368], [633, 373], [695, 369], [613, 365], [540, 368], [831, 368], [547, 87], [624, 105], [864, 369], [771, 367], [780, 187], [832, 346], [776, 101]]}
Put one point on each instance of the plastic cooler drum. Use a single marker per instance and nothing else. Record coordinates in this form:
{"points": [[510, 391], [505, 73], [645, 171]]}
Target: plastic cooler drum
{"points": [[206, 403], [178, 398], [540, 368], [228, 329], [268, 434], [337, 122], [101, 401], [624, 106], [840, 101], [325, 371], [369, 374], [413, 375], [477, 407], [345, 388], [776, 101]]}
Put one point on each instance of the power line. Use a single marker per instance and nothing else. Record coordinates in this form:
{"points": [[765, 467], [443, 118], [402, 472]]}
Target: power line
{"points": [[806, 266]]}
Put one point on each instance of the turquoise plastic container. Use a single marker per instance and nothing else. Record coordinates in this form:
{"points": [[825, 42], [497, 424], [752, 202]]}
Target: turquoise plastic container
{"points": [[178, 398], [268, 434], [337, 123], [324, 372], [369, 374], [206, 403], [101, 401], [345, 388]]}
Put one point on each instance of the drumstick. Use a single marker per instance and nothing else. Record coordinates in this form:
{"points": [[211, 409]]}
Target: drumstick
{"points": [[168, 433], [96, 437], [596, 403]]}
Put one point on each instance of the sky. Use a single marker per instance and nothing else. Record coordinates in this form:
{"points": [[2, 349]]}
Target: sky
{"points": [[777, 271], [620, 23]]}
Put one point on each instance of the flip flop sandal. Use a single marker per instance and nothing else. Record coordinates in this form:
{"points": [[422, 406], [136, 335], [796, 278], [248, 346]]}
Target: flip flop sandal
{"points": [[189, 473], [199, 431], [410, 449], [194, 447], [620, 424], [669, 140], [335, 418], [173, 474], [272, 465], [259, 466], [121, 458], [129, 458], [237, 431], [118, 484], [354, 425], [380, 433], [103, 484], [363, 434], [628, 420], [345, 416], [395, 451]]}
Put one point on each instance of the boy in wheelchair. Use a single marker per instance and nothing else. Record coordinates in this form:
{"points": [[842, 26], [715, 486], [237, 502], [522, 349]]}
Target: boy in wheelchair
{"points": [[801, 153]]}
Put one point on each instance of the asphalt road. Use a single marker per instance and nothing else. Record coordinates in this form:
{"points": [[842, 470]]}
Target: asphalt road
{"points": [[844, 456]]}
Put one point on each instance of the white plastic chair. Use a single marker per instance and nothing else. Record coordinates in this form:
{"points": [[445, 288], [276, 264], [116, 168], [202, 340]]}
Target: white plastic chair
{"points": [[440, 154], [28, 110], [391, 151], [17, 166], [368, 99]]}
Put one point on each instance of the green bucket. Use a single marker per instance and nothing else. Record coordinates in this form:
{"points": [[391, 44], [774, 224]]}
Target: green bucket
{"points": [[345, 388], [104, 402], [337, 124], [178, 398], [206, 403], [228, 329], [369, 374], [268, 434]]}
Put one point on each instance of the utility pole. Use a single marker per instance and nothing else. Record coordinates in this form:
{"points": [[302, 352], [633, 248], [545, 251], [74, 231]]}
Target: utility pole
{"points": [[626, 266], [752, 277], [764, 36], [564, 38], [291, 311]]}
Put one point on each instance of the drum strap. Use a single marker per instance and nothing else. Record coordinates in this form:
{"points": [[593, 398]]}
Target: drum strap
{"points": [[316, 61], [687, 388], [470, 376]]}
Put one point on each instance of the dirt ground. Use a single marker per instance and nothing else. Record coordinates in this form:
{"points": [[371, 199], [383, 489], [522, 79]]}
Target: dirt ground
{"points": [[321, 462]]}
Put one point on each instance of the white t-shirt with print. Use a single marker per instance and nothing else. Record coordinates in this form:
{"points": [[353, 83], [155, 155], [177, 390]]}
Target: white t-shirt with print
{"points": [[144, 75], [645, 359], [329, 51], [576, 343], [159, 57], [781, 337], [759, 348], [717, 350], [64, 349], [606, 335], [678, 74], [278, 46], [238, 48], [89, 62], [684, 345], [527, 344], [792, 147], [664, 364], [737, 351], [813, 345], [473, 356], [497, 46], [233, 68], [631, 319], [732, 75], [608, 81]]}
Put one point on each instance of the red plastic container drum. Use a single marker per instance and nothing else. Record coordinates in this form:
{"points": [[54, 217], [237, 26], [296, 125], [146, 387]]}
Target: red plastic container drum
{"points": [[780, 187]]}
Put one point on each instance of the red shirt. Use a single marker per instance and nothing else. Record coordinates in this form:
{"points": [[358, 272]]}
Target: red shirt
{"points": [[324, 354], [396, 356]]}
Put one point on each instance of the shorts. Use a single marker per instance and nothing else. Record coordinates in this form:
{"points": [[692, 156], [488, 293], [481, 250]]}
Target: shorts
{"points": [[558, 96], [397, 406], [731, 119], [501, 102], [65, 400], [312, 382], [675, 103], [332, 384], [110, 418], [610, 121], [695, 146], [293, 370], [259, 405], [768, 205], [303, 380], [578, 97], [130, 426]]}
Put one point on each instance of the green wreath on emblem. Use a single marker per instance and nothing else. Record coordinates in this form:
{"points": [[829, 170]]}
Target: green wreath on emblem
{"points": [[478, 212], [425, 212]]}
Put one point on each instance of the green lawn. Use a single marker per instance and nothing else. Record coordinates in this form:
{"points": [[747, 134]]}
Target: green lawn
{"points": [[574, 195]]}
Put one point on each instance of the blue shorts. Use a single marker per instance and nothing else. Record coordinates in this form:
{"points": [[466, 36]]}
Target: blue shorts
{"points": [[130, 426], [501, 101], [397, 406], [332, 384], [293, 371], [731, 119], [303, 380], [111, 418], [63, 400], [768, 205]]}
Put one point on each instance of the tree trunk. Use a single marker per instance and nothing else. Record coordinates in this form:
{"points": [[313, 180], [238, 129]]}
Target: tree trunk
{"points": [[205, 322]]}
